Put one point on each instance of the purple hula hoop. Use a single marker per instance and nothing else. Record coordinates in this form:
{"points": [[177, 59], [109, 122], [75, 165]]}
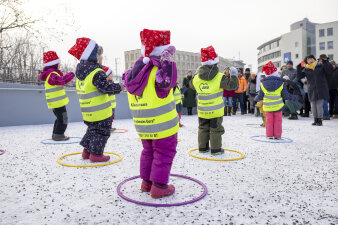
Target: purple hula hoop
{"points": [[118, 189]]}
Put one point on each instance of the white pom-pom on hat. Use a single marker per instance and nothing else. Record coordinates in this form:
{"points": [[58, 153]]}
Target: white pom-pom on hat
{"points": [[146, 60]]}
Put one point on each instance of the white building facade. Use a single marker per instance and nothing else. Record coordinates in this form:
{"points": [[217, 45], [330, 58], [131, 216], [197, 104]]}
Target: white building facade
{"points": [[305, 38]]}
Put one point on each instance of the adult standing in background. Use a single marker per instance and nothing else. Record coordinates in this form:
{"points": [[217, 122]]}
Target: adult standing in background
{"points": [[317, 74], [189, 100], [289, 71], [228, 95], [240, 92], [334, 91], [246, 101]]}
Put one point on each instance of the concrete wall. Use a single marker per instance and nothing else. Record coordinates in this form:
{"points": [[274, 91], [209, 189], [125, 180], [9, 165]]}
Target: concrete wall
{"points": [[26, 105]]}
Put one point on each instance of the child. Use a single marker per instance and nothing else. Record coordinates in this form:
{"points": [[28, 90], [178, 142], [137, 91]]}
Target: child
{"points": [[55, 93], [273, 92], [93, 88], [209, 85], [251, 92], [149, 84], [109, 74], [178, 99], [228, 95]]}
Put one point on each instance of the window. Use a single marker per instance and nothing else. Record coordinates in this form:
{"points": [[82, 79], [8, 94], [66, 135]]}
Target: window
{"points": [[176, 57], [330, 56], [321, 33], [182, 57], [183, 65], [296, 44], [322, 46], [297, 55], [191, 58], [136, 55], [178, 64], [127, 57], [330, 45], [188, 66], [329, 31], [186, 58]]}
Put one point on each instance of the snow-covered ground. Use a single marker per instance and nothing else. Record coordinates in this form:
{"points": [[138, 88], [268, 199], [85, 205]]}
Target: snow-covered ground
{"points": [[294, 183]]}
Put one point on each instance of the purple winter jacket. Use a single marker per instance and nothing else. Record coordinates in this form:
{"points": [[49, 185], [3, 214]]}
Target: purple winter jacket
{"points": [[272, 83], [137, 77], [55, 79]]}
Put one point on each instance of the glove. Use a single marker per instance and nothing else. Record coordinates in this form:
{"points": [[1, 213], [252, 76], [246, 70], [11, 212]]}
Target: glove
{"points": [[168, 54]]}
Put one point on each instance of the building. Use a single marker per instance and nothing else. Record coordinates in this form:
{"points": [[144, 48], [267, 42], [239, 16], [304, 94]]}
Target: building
{"points": [[304, 38], [185, 61], [327, 40]]}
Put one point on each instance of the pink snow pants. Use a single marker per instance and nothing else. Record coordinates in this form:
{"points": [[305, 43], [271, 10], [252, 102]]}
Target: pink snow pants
{"points": [[274, 124], [156, 159]]}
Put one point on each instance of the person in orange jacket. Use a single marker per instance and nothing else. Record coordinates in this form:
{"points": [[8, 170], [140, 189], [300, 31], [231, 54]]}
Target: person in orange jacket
{"points": [[240, 92]]}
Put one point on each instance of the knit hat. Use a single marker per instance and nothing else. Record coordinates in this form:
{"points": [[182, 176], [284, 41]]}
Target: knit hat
{"points": [[209, 56], [289, 62], [107, 70], [154, 42], [233, 71], [50, 58], [247, 70], [82, 48], [270, 69]]}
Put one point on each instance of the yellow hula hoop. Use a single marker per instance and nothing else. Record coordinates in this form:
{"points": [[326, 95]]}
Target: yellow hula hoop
{"points": [[178, 140], [94, 165], [242, 155]]}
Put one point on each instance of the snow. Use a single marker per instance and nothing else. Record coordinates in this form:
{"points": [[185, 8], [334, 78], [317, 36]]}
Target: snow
{"points": [[287, 183]]}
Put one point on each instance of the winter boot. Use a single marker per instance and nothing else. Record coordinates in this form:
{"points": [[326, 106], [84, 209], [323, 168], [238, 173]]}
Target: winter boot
{"points": [[278, 138], [305, 115], [99, 158], [218, 151], [204, 150], [161, 190], [146, 185], [315, 122], [229, 113], [270, 138], [319, 122], [85, 154], [225, 111], [293, 117], [326, 118], [60, 137], [233, 111]]}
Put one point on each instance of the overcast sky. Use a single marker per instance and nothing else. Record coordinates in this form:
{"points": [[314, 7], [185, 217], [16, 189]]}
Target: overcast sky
{"points": [[232, 27]]}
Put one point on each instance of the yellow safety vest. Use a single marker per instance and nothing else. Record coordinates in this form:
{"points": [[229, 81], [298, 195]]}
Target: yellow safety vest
{"points": [[95, 105], [56, 95], [154, 117], [210, 97], [178, 95], [112, 101], [272, 100]]}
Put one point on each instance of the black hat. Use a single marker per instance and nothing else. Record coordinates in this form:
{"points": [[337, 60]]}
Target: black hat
{"points": [[289, 62], [311, 57], [247, 69]]}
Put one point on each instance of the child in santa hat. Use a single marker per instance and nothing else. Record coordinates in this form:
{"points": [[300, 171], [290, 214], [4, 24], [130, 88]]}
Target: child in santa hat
{"points": [[112, 98], [150, 84], [209, 83], [55, 93], [273, 91], [93, 89]]}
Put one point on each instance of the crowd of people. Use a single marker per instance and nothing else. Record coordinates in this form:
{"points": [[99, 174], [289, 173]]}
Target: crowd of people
{"points": [[155, 102], [315, 81]]}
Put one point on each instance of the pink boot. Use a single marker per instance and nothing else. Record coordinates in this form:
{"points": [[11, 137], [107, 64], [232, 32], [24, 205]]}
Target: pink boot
{"points": [[99, 158], [146, 186], [85, 154], [160, 192]]}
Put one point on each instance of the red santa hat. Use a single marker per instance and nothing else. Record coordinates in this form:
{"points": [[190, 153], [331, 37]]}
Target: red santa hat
{"points": [[270, 69], [50, 58], [107, 70], [209, 56], [154, 42], [82, 48]]}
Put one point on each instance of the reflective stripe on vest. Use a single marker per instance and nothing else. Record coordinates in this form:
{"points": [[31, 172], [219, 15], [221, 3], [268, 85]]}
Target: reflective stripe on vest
{"points": [[95, 106], [210, 97], [272, 100], [112, 101], [56, 95], [154, 117], [178, 95]]}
